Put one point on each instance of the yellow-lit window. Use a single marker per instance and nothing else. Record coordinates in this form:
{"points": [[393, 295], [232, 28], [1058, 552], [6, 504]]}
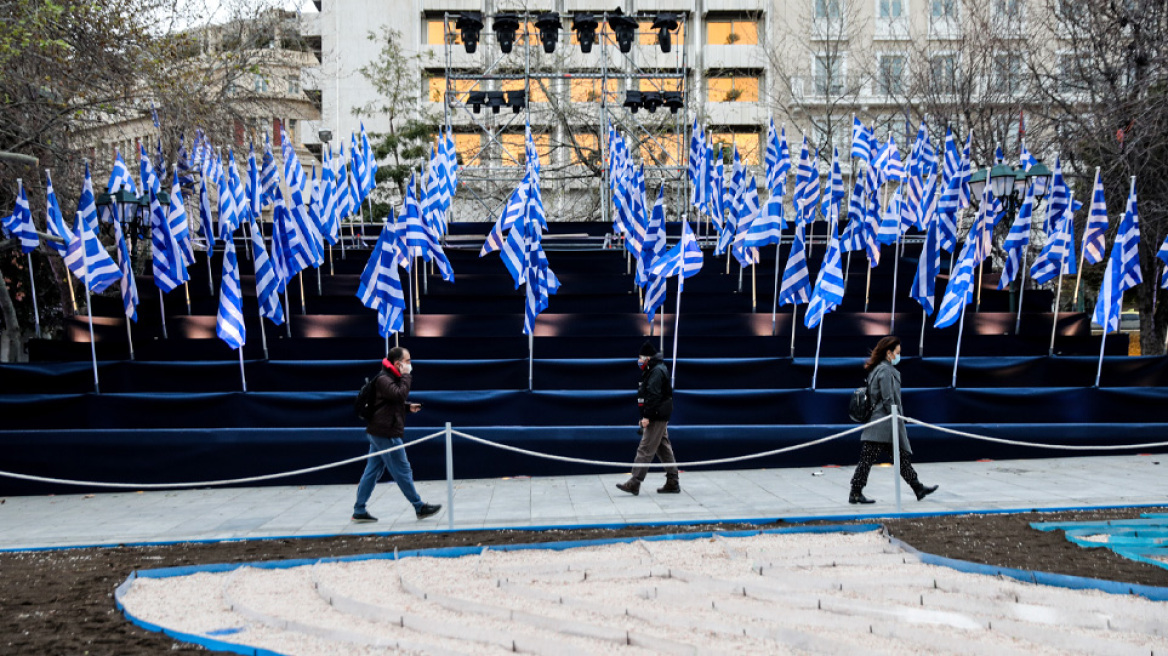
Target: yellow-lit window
{"points": [[435, 32], [582, 89], [732, 33], [513, 151], [468, 147], [661, 150], [585, 148], [747, 143], [662, 84], [732, 89], [537, 93], [436, 87], [648, 35]]}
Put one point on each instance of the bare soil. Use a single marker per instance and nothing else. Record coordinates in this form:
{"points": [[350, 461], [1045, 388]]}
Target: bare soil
{"points": [[61, 602]]}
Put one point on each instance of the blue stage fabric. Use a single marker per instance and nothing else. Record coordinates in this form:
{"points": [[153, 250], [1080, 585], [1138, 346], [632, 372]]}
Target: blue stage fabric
{"points": [[725, 373], [199, 454], [573, 407]]}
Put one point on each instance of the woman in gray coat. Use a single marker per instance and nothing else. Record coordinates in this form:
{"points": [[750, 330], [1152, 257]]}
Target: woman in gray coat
{"points": [[883, 393]]}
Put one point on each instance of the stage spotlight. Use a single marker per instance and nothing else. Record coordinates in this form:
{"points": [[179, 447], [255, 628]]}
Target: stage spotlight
{"points": [[625, 28], [476, 100], [633, 101], [495, 100], [651, 100], [549, 30], [517, 100], [585, 27], [664, 24], [469, 24], [505, 26], [673, 100]]}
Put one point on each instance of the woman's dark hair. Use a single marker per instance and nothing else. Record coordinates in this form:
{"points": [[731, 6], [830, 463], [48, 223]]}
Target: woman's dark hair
{"points": [[880, 353]]}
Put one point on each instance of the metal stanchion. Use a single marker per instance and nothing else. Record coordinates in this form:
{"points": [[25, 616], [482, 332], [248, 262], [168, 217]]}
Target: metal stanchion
{"points": [[449, 478], [896, 454]]}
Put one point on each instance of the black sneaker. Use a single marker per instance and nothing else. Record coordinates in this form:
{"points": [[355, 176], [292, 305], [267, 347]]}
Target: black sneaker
{"points": [[363, 518], [428, 510]]}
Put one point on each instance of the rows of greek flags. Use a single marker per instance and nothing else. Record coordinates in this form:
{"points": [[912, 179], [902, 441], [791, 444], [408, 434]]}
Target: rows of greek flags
{"points": [[303, 225]]}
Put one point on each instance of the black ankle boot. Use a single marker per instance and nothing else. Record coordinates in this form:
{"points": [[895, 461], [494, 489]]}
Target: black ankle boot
{"points": [[858, 497], [923, 491]]}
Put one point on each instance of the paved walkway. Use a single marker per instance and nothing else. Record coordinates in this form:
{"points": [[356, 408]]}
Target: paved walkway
{"points": [[235, 513]]}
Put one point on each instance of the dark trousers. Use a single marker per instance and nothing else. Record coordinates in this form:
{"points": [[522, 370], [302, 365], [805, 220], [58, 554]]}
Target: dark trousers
{"points": [[870, 453], [655, 442]]}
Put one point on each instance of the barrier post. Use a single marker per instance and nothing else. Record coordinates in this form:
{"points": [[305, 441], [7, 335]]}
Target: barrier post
{"points": [[449, 478], [896, 454]]}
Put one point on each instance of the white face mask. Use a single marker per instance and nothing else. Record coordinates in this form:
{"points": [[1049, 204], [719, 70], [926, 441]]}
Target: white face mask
{"points": [[406, 368]]}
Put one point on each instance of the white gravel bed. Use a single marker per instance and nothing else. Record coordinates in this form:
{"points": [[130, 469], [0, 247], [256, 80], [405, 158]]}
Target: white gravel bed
{"points": [[834, 593]]}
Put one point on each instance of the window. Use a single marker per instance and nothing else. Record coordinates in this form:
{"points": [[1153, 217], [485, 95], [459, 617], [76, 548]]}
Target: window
{"points": [[747, 143], [1006, 77], [890, 77], [293, 86], [436, 87], [891, 9], [733, 89], [1008, 9], [436, 32], [828, 74], [513, 152], [588, 89], [827, 9], [943, 9], [661, 84], [292, 131], [584, 148], [536, 94], [467, 147], [662, 150], [261, 84], [943, 72], [736, 32], [648, 36]]}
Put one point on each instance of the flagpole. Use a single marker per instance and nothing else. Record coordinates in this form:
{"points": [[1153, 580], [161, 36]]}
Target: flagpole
{"points": [[319, 291], [263, 334], [980, 269], [300, 279], [1057, 299], [794, 325], [330, 258], [162, 311], [129, 338], [753, 289], [895, 277], [89, 299], [775, 298], [287, 314], [847, 269], [661, 338], [410, 293], [242, 377], [739, 273], [676, 322], [36, 313], [957, 355], [210, 275], [187, 292], [1082, 255], [1021, 289], [531, 357], [818, 341], [924, 322], [867, 286], [1102, 346]]}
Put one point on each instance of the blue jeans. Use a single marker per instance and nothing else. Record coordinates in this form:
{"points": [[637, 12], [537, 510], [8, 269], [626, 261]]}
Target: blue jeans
{"points": [[398, 466]]}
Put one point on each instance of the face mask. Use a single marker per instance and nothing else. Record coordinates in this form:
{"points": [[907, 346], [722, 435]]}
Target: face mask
{"points": [[896, 359], [406, 368], [641, 363]]}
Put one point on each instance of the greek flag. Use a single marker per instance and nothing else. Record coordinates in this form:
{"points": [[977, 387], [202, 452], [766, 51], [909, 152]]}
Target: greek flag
{"points": [[731, 200], [19, 224], [796, 285], [695, 169], [889, 230], [183, 159], [872, 215], [399, 240], [638, 217], [381, 287], [255, 190], [1123, 267], [541, 282], [912, 204], [717, 191], [229, 321], [748, 213], [1163, 255], [766, 228], [829, 285], [149, 178], [179, 227], [652, 251], [1025, 159], [55, 222], [268, 283], [711, 192], [861, 141], [889, 162], [360, 172], [977, 246], [420, 237], [206, 222], [303, 235], [965, 172], [806, 186], [269, 176], [1095, 234], [235, 182], [86, 257], [331, 228], [952, 167], [778, 162], [924, 285], [120, 177], [449, 181], [369, 170], [228, 212], [169, 266], [129, 286], [346, 202], [1017, 240], [1057, 255], [516, 205], [851, 238], [290, 247], [685, 258]]}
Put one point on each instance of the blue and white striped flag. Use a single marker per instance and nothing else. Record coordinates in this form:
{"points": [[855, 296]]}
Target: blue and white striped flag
{"points": [[806, 186], [1018, 240], [243, 204], [748, 214], [651, 251], [861, 141], [796, 286], [170, 269], [420, 237], [358, 165], [829, 285], [1123, 267], [55, 221], [924, 285], [965, 172], [1163, 255], [179, 224], [281, 249], [331, 228], [685, 258], [778, 162], [255, 190], [888, 161], [516, 205], [268, 283], [229, 215], [731, 200], [695, 167], [717, 191], [889, 231], [381, 287], [229, 325], [952, 164], [1095, 234], [150, 180], [86, 257], [129, 286], [1057, 255], [269, 175], [1025, 159], [959, 291], [304, 238], [369, 181], [206, 221], [120, 177], [19, 224]]}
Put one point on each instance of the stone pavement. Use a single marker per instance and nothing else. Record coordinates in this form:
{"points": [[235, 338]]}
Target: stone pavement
{"points": [[762, 494]]}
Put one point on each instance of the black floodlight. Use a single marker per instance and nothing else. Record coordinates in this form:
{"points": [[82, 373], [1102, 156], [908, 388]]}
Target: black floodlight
{"points": [[495, 100], [549, 30], [673, 100], [664, 24], [585, 27], [651, 100], [505, 26], [625, 28], [469, 24], [476, 99], [633, 100], [517, 100]]}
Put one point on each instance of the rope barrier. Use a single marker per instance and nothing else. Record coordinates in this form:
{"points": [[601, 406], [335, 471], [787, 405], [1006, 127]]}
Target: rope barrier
{"points": [[695, 463], [1065, 447], [251, 479]]}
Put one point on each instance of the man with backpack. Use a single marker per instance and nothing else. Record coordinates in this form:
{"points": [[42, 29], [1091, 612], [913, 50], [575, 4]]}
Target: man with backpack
{"points": [[655, 400], [385, 413]]}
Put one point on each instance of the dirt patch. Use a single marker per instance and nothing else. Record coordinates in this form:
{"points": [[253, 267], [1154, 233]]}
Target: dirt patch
{"points": [[61, 602]]}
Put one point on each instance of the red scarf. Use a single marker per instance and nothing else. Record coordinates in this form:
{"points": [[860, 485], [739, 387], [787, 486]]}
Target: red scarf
{"points": [[389, 365]]}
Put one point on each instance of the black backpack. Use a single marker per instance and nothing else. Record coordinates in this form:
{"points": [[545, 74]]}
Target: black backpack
{"points": [[860, 407], [366, 401]]}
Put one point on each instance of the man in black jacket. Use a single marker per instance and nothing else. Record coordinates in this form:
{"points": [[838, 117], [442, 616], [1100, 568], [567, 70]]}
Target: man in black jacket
{"points": [[385, 430], [655, 399]]}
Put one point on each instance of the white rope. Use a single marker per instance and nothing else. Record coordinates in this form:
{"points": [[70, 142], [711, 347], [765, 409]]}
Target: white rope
{"points": [[695, 463], [251, 479], [1065, 447]]}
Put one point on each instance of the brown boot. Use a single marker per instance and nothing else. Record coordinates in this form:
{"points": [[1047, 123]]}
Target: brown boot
{"points": [[671, 486], [632, 486]]}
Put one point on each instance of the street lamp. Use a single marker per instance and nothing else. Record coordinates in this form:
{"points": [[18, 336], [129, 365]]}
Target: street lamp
{"points": [[1002, 178], [977, 183], [1039, 176]]}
